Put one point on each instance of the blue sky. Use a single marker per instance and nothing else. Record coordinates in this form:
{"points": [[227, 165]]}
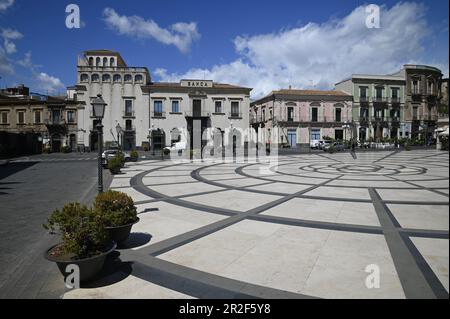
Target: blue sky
{"points": [[262, 44]]}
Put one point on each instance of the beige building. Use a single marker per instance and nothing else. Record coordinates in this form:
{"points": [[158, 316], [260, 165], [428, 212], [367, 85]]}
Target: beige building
{"points": [[29, 123]]}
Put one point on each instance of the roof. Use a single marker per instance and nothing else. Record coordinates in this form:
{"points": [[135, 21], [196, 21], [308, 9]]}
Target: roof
{"points": [[305, 95]]}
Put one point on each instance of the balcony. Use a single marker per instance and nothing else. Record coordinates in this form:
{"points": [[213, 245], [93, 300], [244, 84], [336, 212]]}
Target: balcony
{"points": [[158, 115], [234, 115], [197, 114], [380, 100], [55, 121], [364, 99], [395, 100], [128, 114]]}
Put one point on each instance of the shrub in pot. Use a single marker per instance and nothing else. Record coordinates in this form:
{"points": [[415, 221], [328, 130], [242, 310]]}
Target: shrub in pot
{"points": [[118, 213], [85, 241], [115, 164], [134, 156]]}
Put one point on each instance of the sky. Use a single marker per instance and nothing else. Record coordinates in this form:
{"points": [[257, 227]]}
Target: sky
{"points": [[265, 45]]}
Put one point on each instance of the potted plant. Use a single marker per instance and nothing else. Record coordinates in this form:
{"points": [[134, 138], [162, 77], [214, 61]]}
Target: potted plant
{"points": [[134, 156], [85, 241], [115, 164], [118, 213]]}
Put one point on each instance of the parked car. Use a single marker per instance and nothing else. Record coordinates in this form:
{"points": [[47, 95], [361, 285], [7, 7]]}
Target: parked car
{"points": [[178, 146], [338, 146], [314, 144], [110, 153], [324, 143]]}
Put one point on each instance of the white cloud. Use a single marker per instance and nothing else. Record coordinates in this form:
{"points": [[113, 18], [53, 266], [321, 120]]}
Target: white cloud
{"points": [[322, 54], [5, 4], [48, 83], [180, 34], [8, 35]]}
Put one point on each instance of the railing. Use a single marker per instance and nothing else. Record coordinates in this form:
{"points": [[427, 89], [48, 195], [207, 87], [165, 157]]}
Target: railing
{"points": [[158, 115], [128, 114], [364, 99], [235, 115], [54, 121], [197, 114], [395, 100], [379, 99], [129, 128]]}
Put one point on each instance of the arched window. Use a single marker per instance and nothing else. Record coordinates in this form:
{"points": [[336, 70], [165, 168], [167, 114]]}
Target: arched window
{"points": [[97, 62], [117, 78], [138, 78], [106, 78], [84, 78], [127, 78], [111, 62], [105, 62], [95, 78], [91, 61]]}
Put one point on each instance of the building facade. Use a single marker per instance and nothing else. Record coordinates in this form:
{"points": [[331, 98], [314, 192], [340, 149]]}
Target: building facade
{"points": [[401, 105], [31, 123], [293, 118], [148, 114]]}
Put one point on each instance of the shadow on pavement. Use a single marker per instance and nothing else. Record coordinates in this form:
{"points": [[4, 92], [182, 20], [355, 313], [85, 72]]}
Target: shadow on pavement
{"points": [[113, 272], [136, 240], [13, 168]]}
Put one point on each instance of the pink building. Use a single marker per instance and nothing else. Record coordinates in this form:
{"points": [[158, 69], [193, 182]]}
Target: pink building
{"points": [[295, 118]]}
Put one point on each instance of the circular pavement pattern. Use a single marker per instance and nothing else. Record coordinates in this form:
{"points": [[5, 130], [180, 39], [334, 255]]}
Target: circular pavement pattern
{"points": [[314, 225]]}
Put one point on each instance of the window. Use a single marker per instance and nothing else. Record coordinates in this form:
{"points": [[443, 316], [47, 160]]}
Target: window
{"points": [[175, 106], [415, 112], [37, 117], [129, 125], [97, 62], [290, 114], [394, 92], [106, 78], [314, 114], [4, 118], [95, 78], [91, 61], [364, 112], [20, 117], [117, 78], [111, 62], [234, 108], [157, 108], [70, 116], [128, 107], [315, 134], [218, 107], [379, 113], [138, 79], [415, 87], [338, 115], [363, 92], [127, 78], [430, 88], [379, 92], [84, 78], [105, 62]]}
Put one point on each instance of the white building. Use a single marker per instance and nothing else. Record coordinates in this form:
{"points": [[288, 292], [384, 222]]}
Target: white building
{"points": [[151, 115]]}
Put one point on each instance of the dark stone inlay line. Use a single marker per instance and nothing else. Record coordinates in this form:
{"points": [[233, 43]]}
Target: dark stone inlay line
{"points": [[387, 156], [425, 233], [422, 187], [434, 282], [411, 277], [201, 284]]}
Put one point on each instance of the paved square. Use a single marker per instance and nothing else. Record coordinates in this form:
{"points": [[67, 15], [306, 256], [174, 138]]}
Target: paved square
{"points": [[313, 226]]}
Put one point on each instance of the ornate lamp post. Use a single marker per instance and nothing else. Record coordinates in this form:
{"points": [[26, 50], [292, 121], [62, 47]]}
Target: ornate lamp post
{"points": [[98, 105], [119, 132]]}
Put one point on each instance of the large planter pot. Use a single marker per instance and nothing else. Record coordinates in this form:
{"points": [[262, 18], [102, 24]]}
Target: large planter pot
{"points": [[119, 234], [89, 267], [115, 170]]}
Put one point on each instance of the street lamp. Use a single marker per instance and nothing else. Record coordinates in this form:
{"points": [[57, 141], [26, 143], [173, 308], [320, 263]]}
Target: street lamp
{"points": [[119, 132], [98, 105]]}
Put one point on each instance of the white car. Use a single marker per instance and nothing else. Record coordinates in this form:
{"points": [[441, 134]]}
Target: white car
{"points": [[314, 144], [324, 144], [178, 146], [108, 154]]}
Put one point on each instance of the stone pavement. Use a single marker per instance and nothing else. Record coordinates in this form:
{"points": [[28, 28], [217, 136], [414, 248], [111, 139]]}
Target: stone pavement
{"points": [[312, 227]]}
